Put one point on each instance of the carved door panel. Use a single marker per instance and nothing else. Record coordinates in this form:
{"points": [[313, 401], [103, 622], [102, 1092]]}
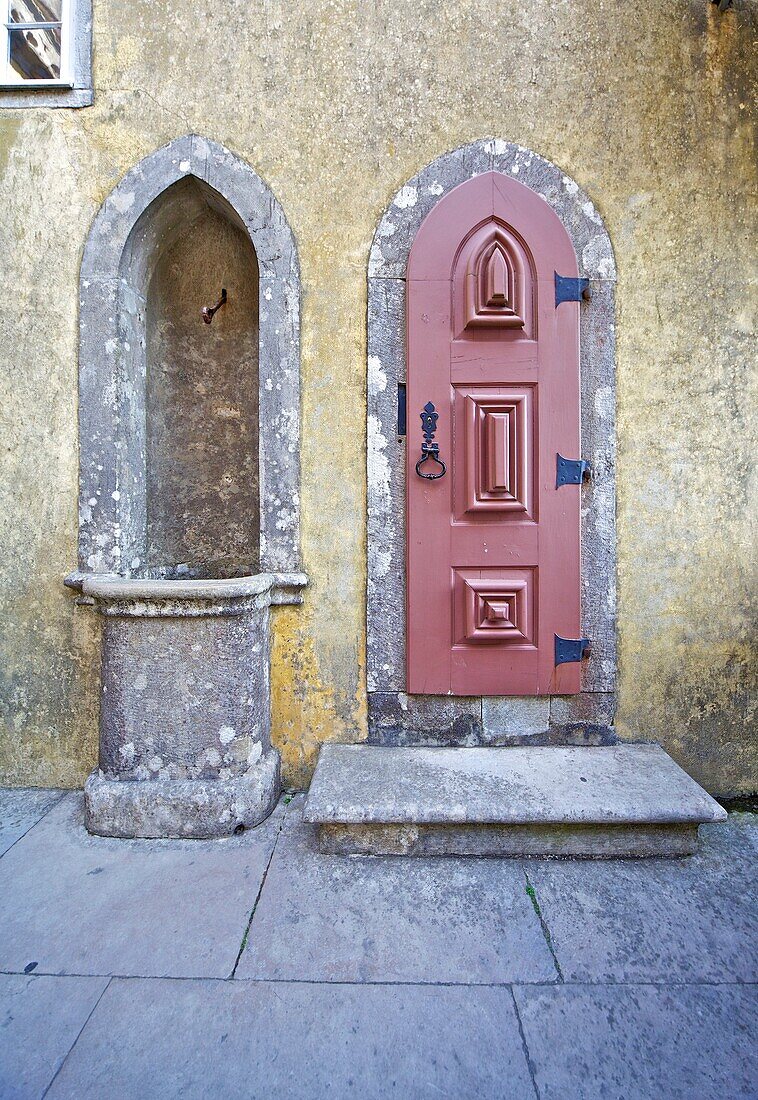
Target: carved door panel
{"points": [[493, 561]]}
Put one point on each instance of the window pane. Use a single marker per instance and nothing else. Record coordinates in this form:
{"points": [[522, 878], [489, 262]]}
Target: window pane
{"points": [[36, 55], [36, 11]]}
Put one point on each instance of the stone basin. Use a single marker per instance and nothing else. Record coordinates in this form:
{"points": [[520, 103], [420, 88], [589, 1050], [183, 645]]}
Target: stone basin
{"points": [[185, 711]]}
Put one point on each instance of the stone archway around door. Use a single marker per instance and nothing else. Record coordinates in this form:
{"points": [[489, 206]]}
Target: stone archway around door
{"points": [[395, 717]]}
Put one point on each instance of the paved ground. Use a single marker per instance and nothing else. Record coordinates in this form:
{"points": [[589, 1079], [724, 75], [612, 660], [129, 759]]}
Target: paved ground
{"points": [[255, 967]]}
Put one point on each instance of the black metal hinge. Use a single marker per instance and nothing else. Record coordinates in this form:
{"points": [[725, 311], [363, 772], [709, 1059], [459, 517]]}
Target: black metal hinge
{"points": [[569, 289], [570, 471], [568, 650]]}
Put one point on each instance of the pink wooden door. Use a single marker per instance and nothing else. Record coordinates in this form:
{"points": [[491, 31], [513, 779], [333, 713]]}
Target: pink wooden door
{"points": [[493, 545]]}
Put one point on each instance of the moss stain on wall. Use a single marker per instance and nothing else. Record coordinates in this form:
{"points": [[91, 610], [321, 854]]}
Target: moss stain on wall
{"points": [[336, 104]]}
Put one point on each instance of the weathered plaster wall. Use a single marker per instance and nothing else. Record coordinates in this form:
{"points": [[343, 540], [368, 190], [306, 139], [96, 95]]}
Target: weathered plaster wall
{"points": [[336, 104]]}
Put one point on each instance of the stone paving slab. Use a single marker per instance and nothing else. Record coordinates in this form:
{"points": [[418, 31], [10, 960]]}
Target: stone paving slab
{"points": [[200, 1039], [386, 919], [22, 808], [689, 920], [40, 1018], [642, 1042], [77, 904]]}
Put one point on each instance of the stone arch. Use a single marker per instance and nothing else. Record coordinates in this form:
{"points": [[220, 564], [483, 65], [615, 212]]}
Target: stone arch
{"points": [[394, 716], [139, 215]]}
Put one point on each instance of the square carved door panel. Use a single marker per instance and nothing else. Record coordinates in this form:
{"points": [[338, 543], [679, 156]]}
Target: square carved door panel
{"points": [[495, 606], [498, 457]]}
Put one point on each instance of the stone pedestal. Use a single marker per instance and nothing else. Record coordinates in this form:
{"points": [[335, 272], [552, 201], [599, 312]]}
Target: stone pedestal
{"points": [[185, 748]]}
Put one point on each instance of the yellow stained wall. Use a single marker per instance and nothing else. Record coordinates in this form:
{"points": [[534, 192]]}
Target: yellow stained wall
{"points": [[336, 103]]}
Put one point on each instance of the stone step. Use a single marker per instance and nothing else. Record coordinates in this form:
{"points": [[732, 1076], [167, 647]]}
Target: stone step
{"points": [[553, 801]]}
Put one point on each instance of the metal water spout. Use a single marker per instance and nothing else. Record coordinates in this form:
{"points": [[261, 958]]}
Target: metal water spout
{"points": [[207, 312]]}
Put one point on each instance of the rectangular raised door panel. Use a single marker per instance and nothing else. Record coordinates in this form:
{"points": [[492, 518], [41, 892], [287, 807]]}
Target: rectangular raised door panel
{"points": [[492, 546], [499, 459], [499, 466]]}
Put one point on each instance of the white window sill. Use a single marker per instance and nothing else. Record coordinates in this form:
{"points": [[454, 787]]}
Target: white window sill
{"points": [[52, 95], [32, 85]]}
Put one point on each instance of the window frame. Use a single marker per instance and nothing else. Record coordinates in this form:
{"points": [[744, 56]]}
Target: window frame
{"points": [[9, 79], [73, 88]]}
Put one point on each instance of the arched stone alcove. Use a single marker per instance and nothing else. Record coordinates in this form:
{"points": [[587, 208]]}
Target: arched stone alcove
{"points": [[396, 717], [189, 487], [166, 203], [201, 392]]}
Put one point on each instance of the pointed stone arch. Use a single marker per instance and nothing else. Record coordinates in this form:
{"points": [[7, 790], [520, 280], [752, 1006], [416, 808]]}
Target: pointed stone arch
{"points": [[394, 716], [142, 211]]}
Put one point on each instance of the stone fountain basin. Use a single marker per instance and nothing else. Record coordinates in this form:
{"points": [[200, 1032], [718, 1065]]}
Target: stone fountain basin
{"points": [[108, 587], [185, 726]]}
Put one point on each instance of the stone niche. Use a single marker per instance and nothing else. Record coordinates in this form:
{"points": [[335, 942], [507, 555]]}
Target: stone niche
{"points": [[189, 488], [201, 393]]}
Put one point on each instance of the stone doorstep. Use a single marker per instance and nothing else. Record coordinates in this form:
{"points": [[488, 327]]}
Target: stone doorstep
{"points": [[552, 801]]}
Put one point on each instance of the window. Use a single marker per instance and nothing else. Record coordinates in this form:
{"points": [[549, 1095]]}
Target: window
{"points": [[37, 42], [45, 48]]}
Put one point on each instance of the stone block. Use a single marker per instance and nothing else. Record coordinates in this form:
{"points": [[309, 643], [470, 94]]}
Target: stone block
{"points": [[584, 718], [189, 808], [622, 784], [301, 1041], [673, 1043], [184, 696], [399, 719], [385, 461], [591, 707], [185, 713], [79, 904], [41, 1020], [598, 494], [510, 841], [503, 716], [324, 918], [629, 800], [581, 720]]}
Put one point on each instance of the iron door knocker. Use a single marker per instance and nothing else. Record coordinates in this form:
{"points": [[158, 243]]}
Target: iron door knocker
{"points": [[430, 449]]}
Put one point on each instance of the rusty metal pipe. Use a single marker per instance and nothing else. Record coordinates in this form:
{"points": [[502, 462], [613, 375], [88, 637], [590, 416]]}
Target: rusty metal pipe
{"points": [[207, 312]]}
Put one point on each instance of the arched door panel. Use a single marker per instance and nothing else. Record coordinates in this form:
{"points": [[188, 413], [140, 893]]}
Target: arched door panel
{"points": [[493, 558]]}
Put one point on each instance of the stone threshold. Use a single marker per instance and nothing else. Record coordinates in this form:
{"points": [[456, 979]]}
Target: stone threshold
{"points": [[549, 801]]}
